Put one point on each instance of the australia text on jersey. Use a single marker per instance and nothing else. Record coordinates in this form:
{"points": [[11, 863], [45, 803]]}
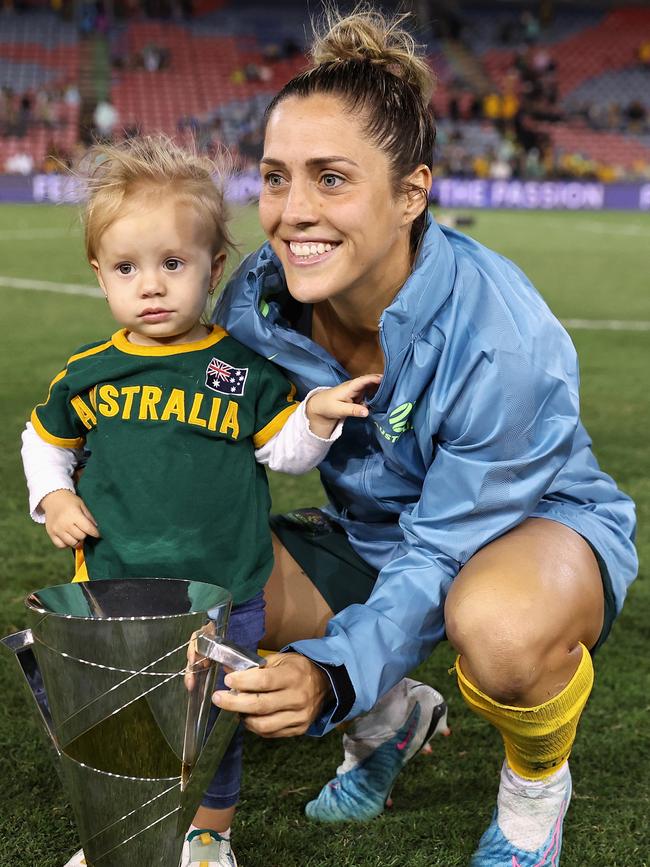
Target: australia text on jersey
{"points": [[150, 402]]}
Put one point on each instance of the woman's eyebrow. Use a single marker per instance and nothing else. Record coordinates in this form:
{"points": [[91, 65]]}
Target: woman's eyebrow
{"points": [[314, 161]]}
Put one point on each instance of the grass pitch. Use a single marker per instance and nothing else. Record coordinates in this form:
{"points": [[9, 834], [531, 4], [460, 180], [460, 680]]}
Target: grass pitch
{"points": [[589, 267]]}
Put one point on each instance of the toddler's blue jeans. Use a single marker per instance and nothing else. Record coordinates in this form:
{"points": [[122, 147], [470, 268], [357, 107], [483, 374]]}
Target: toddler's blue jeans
{"points": [[246, 628]]}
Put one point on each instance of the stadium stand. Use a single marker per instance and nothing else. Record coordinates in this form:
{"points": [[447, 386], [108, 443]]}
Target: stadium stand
{"points": [[39, 71], [516, 96]]}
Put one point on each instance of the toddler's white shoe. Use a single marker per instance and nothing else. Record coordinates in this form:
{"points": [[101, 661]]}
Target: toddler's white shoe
{"points": [[207, 849]]}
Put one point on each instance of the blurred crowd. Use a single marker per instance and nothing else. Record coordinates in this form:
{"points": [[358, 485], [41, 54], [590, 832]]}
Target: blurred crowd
{"points": [[44, 107], [508, 133], [499, 133]]}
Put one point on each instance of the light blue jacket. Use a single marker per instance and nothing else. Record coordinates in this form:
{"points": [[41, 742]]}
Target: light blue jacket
{"points": [[474, 428]]}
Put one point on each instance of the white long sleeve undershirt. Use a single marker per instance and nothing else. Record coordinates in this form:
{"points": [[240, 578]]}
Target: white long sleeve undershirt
{"points": [[293, 449]]}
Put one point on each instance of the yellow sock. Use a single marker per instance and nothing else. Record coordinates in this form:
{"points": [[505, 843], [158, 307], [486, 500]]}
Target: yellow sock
{"points": [[538, 740]]}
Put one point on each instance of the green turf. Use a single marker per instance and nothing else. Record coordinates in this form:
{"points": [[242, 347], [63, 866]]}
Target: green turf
{"points": [[588, 266]]}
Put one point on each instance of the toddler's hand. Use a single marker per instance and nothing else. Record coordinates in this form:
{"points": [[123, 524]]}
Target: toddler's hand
{"points": [[326, 408], [67, 519]]}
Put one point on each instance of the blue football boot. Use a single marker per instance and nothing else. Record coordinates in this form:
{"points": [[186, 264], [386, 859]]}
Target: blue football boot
{"points": [[526, 813], [363, 783]]}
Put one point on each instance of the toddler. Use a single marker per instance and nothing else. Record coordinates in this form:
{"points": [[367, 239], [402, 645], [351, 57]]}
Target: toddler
{"points": [[177, 416]]}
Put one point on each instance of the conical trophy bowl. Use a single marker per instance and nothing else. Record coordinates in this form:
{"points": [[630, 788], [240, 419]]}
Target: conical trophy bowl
{"points": [[107, 665]]}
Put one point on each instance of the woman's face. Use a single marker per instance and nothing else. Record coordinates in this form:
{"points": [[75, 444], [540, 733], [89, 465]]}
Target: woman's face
{"points": [[328, 206]]}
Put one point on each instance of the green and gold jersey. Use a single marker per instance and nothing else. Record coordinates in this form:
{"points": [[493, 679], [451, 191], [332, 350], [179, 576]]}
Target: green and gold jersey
{"points": [[172, 479]]}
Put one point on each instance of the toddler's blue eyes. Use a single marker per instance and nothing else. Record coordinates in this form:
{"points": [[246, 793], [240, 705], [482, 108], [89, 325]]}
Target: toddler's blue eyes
{"points": [[172, 264], [124, 269]]}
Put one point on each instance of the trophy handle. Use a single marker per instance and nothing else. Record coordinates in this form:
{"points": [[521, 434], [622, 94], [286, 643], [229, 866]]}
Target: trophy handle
{"points": [[21, 644], [234, 657], [229, 654]]}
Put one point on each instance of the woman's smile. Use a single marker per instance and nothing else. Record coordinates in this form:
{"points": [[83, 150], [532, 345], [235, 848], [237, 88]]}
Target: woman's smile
{"points": [[310, 252]]}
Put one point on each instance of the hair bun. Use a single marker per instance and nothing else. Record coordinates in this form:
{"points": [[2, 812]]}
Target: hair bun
{"points": [[367, 35]]}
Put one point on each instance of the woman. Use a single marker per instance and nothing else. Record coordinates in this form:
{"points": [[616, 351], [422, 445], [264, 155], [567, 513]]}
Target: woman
{"points": [[471, 489]]}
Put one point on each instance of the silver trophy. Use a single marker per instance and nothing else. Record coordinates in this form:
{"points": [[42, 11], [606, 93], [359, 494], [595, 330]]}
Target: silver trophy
{"points": [[124, 712]]}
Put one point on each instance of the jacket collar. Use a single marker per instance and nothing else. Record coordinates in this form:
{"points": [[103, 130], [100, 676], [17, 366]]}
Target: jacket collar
{"points": [[414, 307], [252, 307]]}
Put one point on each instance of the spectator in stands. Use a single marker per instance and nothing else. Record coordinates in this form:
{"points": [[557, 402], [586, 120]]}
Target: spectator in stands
{"points": [[453, 108], [257, 72], [45, 109], [105, 119], [238, 76], [24, 116], [475, 107], [291, 48], [154, 57], [102, 22], [20, 163], [500, 170], [131, 130], [285, 50], [71, 95], [481, 165], [533, 167], [8, 110], [56, 159], [596, 115], [509, 104], [525, 132], [644, 54], [542, 62], [614, 116], [636, 115], [508, 31], [189, 123], [87, 17], [530, 27], [492, 106]]}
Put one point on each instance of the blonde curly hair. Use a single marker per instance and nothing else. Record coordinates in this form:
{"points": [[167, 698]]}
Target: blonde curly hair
{"points": [[111, 174]]}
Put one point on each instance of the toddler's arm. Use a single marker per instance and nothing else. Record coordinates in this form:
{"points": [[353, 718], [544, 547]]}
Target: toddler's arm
{"points": [[52, 497], [307, 435]]}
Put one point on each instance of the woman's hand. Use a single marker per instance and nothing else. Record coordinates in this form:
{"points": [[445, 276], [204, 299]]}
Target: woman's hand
{"points": [[67, 519], [326, 408], [280, 700]]}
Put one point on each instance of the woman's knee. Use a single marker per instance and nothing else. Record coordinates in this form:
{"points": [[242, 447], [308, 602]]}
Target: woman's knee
{"points": [[520, 608], [503, 650]]}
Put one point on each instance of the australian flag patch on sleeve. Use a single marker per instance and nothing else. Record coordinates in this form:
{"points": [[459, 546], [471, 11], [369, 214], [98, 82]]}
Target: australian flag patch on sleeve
{"points": [[225, 379]]}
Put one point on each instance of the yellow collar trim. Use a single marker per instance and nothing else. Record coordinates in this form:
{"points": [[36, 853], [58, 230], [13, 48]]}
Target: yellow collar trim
{"points": [[121, 342]]}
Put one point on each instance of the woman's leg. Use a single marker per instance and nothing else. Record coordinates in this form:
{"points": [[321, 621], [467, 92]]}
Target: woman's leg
{"points": [[409, 713], [519, 609], [295, 608], [522, 614]]}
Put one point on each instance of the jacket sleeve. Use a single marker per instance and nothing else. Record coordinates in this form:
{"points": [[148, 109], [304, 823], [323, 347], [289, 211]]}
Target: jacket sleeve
{"points": [[507, 431]]}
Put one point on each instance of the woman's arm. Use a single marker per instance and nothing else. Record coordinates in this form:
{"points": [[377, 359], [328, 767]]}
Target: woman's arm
{"points": [[507, 434]]}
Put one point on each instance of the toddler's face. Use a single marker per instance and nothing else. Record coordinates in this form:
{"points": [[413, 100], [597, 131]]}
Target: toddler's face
{"points": [[156, 267]]}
